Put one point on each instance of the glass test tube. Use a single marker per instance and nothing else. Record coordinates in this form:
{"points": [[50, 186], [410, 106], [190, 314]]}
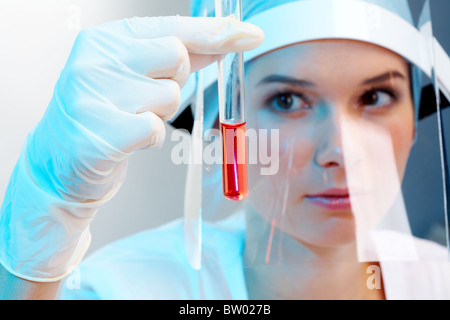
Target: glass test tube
{"points": [[232, 113]]}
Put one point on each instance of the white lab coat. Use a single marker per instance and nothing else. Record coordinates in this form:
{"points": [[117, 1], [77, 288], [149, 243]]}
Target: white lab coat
{"points": [[152, 265]]}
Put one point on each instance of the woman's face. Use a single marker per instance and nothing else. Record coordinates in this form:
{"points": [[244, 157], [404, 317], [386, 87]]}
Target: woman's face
{"points": [[329, 100]]}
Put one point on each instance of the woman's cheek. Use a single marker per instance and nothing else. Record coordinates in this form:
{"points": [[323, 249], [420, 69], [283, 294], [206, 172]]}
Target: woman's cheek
{"points": [[401, 130]]}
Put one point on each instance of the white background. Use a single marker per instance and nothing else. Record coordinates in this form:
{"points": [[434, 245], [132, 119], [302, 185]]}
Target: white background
{"points": [[36, 37]]}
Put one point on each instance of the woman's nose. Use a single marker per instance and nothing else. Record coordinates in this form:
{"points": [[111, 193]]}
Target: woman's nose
{"points": [[329, 150]]}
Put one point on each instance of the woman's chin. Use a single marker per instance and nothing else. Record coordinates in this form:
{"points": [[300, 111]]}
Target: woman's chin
{"points": [[325, 230]]}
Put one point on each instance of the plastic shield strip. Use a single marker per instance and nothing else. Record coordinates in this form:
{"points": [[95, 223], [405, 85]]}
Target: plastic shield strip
{"points": [[193, 194]]}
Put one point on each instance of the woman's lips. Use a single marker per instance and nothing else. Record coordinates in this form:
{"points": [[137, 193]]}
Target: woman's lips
{"points": [[331, 199]]}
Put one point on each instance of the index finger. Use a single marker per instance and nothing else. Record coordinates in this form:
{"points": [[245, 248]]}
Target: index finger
{"points": [[200, 35]]}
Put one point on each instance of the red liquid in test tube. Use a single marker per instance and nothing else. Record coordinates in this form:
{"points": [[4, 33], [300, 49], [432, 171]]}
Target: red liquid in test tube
{"points": [[234, 168]]}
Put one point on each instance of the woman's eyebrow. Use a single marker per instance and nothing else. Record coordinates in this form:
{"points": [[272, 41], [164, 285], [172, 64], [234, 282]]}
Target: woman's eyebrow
{"points": [[286, 79], [384, 77]]}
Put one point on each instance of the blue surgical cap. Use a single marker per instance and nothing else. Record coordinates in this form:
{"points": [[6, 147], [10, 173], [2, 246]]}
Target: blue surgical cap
{"points": [[253, 7]]}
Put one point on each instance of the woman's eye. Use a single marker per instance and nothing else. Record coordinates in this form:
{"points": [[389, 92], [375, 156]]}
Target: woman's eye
{"points": [[288, 102], [377, 98]]}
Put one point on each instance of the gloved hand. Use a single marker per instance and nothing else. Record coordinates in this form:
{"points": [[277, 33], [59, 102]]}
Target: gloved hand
{"points": [[121, 81]]}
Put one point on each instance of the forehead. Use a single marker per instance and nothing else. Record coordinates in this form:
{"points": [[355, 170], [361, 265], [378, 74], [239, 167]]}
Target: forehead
{"points": [[327, 58]]}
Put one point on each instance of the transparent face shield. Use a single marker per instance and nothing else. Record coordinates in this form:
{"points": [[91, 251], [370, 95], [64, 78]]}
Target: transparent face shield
{"points": [[352, 168], [346, 139]]}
